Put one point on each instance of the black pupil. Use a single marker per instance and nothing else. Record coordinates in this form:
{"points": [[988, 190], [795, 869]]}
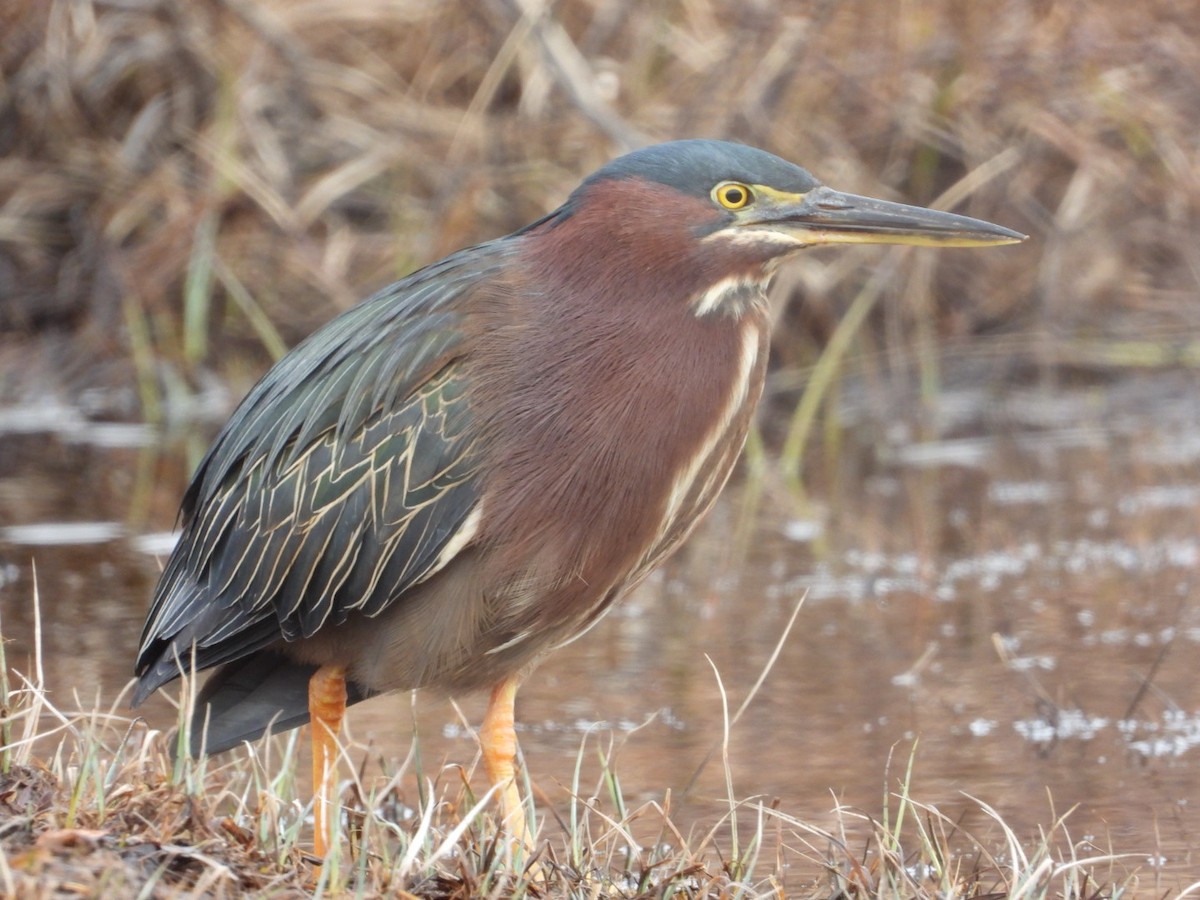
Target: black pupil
{"points": [[734, 196]]}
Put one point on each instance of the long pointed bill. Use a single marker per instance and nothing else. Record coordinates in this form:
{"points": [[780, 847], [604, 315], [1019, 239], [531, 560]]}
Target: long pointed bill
{"points": [[826, 216]]}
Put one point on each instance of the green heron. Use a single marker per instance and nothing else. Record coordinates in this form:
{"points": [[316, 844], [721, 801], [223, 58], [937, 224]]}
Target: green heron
{"points": [[469, 468]]}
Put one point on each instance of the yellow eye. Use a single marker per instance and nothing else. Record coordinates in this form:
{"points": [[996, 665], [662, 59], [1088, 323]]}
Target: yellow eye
{"points": [[733, 195]]}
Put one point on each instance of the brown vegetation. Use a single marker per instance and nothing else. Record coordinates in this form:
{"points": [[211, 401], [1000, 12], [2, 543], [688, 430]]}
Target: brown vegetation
{"points": [[108, 813], [185, 184]]}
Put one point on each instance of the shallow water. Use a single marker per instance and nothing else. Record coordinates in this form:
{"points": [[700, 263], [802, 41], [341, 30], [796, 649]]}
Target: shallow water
{"points": [[1003, 581]]}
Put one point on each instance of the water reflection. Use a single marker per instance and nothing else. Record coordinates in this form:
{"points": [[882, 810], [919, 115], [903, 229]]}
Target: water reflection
{"points": [[1011, 594]]}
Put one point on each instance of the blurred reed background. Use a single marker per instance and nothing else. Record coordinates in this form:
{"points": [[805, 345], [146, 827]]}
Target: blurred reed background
{"points": [[187, 188]]}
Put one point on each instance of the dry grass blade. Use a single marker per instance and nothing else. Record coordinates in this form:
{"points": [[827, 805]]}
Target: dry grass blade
{"points": [[750, 695]]}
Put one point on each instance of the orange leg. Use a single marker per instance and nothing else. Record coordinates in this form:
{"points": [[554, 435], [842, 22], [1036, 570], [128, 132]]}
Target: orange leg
{"points": [[498, 741], [326, 706]]}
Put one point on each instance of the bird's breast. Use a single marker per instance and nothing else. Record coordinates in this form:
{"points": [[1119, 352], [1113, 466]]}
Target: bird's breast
{"points": [[610, 450]]}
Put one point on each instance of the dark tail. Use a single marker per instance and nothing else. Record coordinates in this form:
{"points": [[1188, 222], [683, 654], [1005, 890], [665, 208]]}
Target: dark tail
{"points": [[243, 698]]}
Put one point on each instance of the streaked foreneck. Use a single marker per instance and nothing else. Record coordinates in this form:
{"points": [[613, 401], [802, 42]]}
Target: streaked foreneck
{"points": [[738, 390]]}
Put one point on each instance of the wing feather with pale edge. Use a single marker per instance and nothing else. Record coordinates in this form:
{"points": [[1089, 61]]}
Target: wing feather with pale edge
{"points": [[335, 485]]}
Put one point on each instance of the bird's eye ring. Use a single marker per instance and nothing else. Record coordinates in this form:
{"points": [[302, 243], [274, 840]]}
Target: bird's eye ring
{"points": [[733, 195]]}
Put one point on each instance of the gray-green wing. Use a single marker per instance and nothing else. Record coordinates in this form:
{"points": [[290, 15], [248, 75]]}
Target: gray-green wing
{"points": [[335, 486]]}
